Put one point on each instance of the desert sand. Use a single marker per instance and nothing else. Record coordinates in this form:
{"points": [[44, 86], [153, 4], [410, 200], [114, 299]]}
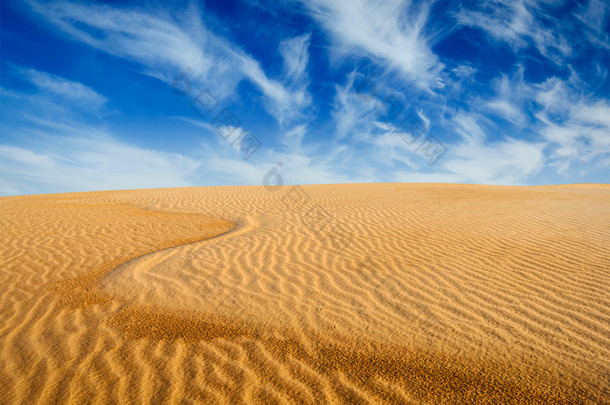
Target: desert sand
{"points": [[354, 293]]}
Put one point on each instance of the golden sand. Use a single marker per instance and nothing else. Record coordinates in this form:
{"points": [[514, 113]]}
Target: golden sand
{"points": [[386, 293]]}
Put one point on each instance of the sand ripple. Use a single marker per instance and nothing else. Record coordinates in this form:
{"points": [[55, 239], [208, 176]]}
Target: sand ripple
{"points": [[389, 293]]}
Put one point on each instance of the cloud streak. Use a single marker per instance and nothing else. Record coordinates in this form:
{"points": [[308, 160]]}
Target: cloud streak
{"points": [[90, 163], [74, 92], [518, 23], [389, 31], [164, 45]]}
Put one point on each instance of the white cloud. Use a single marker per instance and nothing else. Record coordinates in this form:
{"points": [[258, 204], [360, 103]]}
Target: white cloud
{"points": [[85, 164], [511, 93], [569, 127], [506, 109], [475, 159], [507, 162], [166, 45], [554, 96], [76, 92], [296, 57], [472, 159], [313, 163], [353, 111], [391, 31], [594, 15], [157, 41], [285, 104], [25, 157], [61, 156], [293, 138], [595, 114], [516, 23], [290, 168], [417, 177], [464, 71], [584, 136], [577, 126]]}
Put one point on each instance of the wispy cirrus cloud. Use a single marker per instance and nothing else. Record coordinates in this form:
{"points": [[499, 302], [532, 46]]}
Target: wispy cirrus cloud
{"points": [[474, 158], [64, 163], [47, 148], [594, 16], [519, 23], [295, 52], [511, 93], [164, 44], [390, 32], [577, 126], [353, 112], [74, 92]]}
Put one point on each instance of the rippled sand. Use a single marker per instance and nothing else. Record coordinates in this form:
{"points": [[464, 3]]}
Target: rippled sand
{"points": [[387, 293]]}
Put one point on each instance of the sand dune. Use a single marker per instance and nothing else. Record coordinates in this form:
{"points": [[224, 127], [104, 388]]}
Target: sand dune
{"points": [[387, 293]]}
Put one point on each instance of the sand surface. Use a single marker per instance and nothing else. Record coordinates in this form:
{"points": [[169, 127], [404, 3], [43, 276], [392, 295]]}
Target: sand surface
{"points": [[387, 293]]}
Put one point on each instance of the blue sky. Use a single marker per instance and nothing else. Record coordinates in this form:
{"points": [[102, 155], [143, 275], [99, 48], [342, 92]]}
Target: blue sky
{"points": [[98, 96]]}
